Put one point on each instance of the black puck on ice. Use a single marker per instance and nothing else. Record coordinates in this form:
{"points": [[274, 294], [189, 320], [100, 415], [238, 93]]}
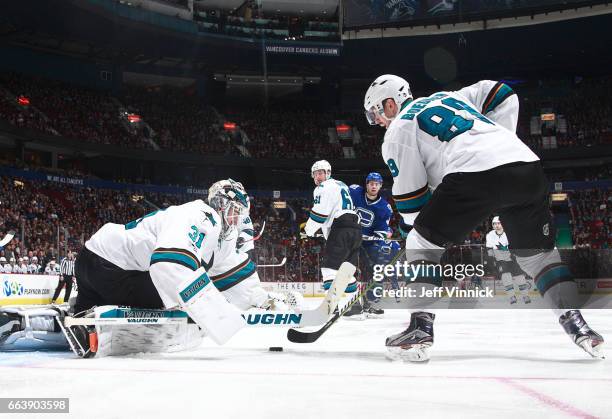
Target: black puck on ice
{"points": [[276, 349]]}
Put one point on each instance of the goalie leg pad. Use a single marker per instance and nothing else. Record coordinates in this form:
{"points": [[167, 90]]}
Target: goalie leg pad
{"points": [[31, 329], [208, 308]]}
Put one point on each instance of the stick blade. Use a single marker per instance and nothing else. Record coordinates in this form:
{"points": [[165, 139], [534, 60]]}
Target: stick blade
{"points": [[297, 336]]}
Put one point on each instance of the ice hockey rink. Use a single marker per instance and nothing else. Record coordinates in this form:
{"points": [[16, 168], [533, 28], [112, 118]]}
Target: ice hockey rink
{"points": [[484, 364]]}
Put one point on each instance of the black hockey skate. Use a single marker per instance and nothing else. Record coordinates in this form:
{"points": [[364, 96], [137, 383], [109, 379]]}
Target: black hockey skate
{"points": [[372, 312], [412, 344], [582, 335], [83, 339], [355, 312]]}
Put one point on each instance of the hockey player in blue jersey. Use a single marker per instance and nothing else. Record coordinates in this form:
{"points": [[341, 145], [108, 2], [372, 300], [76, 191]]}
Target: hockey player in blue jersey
{"points": [[374, 215]]}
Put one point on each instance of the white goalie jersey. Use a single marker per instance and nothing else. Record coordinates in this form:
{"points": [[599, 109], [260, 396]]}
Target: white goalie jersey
{"points": [[331, 199], [246, 232], [171, 244], [446, 133]]}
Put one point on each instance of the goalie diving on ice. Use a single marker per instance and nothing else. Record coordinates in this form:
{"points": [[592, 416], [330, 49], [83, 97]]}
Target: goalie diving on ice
{"points": [[181, 259]]}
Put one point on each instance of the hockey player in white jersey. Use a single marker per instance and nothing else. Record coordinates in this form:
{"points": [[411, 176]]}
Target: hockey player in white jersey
{"points": [[246, 234], [475, 166], [509, 271], [161, 261], [333, 213]]}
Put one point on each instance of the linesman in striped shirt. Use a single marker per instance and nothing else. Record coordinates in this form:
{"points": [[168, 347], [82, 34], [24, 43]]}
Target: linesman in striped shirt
{"points": [[66, 278]]}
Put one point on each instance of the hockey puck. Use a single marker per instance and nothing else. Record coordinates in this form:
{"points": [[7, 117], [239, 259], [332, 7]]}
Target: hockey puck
{"points": [[276, 349]]}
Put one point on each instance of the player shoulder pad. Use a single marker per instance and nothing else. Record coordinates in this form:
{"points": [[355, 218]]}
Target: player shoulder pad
{"points": [[210, 215]]}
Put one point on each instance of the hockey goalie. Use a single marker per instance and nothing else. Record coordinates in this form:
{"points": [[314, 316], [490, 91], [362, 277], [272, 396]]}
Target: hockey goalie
{"points": [[183, 266]]}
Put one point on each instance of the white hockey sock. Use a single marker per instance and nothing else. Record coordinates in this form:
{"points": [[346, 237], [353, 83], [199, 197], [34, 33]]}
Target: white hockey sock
{"points": [[522, 285], [506, 279]]}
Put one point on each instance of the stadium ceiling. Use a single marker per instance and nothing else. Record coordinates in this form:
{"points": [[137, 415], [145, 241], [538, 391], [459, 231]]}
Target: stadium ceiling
{"points": [[311, 7]]}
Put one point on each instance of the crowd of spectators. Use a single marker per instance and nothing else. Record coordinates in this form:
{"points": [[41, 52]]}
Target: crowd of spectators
{"points": [[52, 218], [178, 120], [287, 134], [585, 106], [591, 218], [65, 110], [175, 119]]}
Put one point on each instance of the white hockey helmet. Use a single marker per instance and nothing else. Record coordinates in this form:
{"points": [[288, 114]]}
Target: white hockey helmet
{"points": [[495, 220], [34, 259], [12, 260], [385, 87], [231, 201], [2, 259], [321, 165]]}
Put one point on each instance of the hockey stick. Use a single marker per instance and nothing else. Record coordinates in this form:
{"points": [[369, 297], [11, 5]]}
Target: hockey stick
{"points": [[376, 238], [274, 266], [321, 314], [6, 239], [297, 336], [126, 316]]}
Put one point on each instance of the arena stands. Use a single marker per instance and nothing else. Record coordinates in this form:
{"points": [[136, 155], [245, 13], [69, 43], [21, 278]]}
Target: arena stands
{"points": [[591, 218], [175, 119], [51, 218]]}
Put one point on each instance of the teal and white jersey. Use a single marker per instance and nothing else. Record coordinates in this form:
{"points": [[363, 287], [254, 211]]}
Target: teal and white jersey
{"points": [[246, 232], [169, 243], [441, 134], [499, 244], [331, 199], [495, 100]]}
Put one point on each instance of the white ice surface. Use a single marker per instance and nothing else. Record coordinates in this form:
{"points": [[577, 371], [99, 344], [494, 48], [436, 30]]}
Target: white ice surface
{"points": [[484, 364]]}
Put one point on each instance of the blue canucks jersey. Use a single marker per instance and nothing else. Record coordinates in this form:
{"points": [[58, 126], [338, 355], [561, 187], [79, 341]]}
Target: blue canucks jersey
{"points": [[373, 216]]}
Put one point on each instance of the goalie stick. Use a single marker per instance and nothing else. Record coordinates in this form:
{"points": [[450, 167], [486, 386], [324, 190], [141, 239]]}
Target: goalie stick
{"points": [[122, 316], [282, 263], [6, 239], [298, 336]]}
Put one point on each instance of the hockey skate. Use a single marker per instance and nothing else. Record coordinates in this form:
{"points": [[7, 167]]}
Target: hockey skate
{"points": [[526, 299], [83, 340], [356, 312], [513, 299], [582, 335], [413, 343], [372, 312]]}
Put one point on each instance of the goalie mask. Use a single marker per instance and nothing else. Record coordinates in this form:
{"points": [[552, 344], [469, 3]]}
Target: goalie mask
{"points": [[231, 202]]}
